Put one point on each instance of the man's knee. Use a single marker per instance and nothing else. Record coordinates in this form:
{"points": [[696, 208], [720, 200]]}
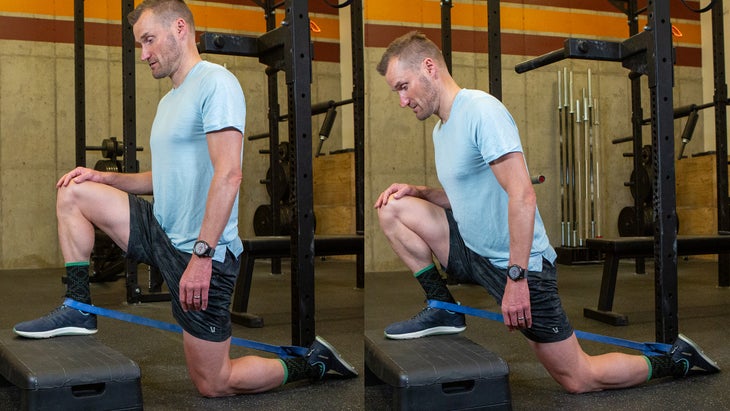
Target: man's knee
{"points": [[67, 196], [208, 389], [575, 385], [394, 208], [75, 192]]}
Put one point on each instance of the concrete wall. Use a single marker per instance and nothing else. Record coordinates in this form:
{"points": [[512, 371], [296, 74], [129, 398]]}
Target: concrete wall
{"points": [[37, 137], [37, 121], [399, 147]]}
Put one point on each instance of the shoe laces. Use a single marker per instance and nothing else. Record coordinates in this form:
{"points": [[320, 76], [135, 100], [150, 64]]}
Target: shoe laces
{"points": [[422, 313], [55, 310]]}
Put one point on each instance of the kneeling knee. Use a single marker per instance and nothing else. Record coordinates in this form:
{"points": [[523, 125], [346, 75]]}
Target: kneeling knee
{"points": [[209, 390], [576, 386]]}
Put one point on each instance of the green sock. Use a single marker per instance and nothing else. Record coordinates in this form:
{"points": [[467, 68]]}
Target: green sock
{"points": [[662, 366], [434, 286], [77, 281], [296, 369]]}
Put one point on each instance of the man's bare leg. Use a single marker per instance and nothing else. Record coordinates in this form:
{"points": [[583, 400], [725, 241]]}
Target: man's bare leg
{"points": [[417, 231]]}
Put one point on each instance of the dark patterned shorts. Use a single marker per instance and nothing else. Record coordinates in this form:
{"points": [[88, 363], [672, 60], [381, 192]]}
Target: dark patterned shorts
{"points": [[549, 321], [149, 244]]}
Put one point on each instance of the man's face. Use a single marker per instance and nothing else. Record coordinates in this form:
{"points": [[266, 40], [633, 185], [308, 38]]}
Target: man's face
{"points": [[414, 88], [160, 48]]}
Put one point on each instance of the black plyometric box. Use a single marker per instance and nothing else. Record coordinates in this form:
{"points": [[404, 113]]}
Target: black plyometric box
{"points": [[69, 373], [443, 372]]}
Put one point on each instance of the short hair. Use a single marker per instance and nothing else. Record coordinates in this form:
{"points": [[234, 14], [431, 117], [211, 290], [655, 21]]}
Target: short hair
{"points": [[167, 10], [411, 48]]}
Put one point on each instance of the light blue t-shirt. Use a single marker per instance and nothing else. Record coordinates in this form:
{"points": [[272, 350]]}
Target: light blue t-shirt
{"points": [[479, 131], [209, 99]]}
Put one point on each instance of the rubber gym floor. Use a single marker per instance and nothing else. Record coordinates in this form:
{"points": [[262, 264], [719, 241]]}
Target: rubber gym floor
{"points": [[703, 312], [27, 294]]}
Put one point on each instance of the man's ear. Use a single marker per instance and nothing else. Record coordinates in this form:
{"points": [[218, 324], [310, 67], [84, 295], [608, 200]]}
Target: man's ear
{"points": [[429, 66], [181, 26]]}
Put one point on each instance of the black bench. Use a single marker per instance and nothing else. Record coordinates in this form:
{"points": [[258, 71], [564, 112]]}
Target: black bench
{"points": [[280, 247], [615, 249]]}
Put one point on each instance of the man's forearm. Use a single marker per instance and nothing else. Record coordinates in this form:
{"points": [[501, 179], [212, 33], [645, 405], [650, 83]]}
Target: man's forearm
{"points": [[434, 195], [221, 197], [133, 183]]}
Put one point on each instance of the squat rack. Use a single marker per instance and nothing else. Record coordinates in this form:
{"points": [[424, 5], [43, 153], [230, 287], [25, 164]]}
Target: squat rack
{"points": [[287, 48], [651, 53]]}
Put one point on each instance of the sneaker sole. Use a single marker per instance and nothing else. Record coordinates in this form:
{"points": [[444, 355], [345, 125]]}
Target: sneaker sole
{"points": [[55, 333], [346, 369], [425, 333], [711, 366]]}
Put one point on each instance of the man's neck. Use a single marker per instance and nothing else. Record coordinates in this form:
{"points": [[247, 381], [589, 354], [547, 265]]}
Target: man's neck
{"points": [[447, 100], [182, 72]]}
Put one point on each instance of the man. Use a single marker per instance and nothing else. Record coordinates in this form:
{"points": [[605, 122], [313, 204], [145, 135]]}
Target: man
{"points": [[484, 228], [191, 232]]}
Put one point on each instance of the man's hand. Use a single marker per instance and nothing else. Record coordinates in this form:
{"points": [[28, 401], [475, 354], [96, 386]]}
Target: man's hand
{"points": [[79, 175], [516, 305], [195, 283], [397, 190]]}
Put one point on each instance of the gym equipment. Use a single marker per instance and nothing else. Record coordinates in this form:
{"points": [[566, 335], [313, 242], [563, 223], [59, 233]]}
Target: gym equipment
{"points": [[279, 247], [263, 224], [437, 373], [615, 249], [69, 373], [648, 53], [286, 46], [580, 200], [628, 226]]}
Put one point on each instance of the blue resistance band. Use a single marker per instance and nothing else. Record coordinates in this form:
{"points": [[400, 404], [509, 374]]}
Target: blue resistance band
{"points": [[285, 351], [647, 348]]}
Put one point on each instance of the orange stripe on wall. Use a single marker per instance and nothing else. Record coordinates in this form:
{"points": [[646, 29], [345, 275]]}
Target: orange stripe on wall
{"points": [[374, 8], [102, 34], [515, 17], [218, 16]]}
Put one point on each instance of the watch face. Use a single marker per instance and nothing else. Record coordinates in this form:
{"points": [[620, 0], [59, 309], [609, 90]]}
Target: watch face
{"points": [[199, 248], [515, 273]]}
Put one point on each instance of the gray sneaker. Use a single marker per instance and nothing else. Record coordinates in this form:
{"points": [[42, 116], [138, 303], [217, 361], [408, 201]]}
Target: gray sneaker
{"points": [[687, 351], [61, 321], [322, 352], [430, 321]]}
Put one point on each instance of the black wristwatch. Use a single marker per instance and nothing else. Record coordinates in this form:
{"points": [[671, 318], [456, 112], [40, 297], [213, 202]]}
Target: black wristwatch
{"points": [[203, 249], [515, 272]]}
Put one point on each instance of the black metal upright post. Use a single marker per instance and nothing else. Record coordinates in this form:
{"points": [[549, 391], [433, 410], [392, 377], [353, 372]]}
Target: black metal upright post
{"points": [[129, 131], [446, 32], [274, 112], [129, 106], [661, 78], [80, 82], [298, 78], [720, 99], [637, 115], [494, 43], [358, 110]]}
